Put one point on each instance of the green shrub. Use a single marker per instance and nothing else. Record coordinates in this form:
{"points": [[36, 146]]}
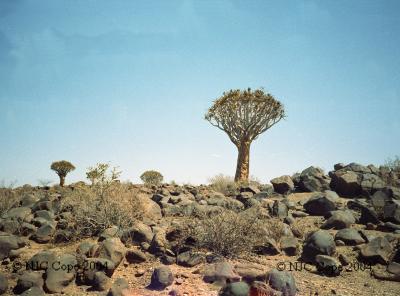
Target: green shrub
{"points": [[152, 178]]}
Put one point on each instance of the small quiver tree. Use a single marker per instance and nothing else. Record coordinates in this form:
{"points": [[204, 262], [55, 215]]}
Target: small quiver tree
{"points": [[62, 168]]}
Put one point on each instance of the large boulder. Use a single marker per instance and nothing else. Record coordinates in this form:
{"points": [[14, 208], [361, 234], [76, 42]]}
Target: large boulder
{"points": [[312, 179], [321, 204], [112, 249], [58, 277], [283, 184], [318, 243], [378, 250], [282, 281], [346, 183]]}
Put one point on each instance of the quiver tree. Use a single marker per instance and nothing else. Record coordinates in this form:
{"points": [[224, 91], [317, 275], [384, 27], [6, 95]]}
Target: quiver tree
{"points": [[62, 168], [244, 115]]}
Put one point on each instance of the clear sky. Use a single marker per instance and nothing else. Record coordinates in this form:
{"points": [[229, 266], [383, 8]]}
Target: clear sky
{"points": [[129, 82]]}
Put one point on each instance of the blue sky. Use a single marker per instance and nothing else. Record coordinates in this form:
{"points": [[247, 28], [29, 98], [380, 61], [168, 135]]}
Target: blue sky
{"points": [[129, 82]]}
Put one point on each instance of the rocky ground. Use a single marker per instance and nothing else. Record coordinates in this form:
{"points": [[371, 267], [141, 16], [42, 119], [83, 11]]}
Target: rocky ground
{"points": [[339, 235]]}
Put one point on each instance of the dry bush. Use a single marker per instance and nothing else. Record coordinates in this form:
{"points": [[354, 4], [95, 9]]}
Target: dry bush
{"points": [[232, 234], [93, 211], [8, 200], [224, 184]]}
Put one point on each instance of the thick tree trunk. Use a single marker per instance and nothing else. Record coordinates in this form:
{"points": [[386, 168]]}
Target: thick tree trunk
{"points": [[62, 181], [243, 162]]}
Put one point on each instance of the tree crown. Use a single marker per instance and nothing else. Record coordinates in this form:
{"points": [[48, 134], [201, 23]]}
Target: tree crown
{"points": [[245, 114], [62, 167], [152, 177]]}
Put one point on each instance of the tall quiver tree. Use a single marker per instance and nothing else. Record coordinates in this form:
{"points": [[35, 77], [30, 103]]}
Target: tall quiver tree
{"points": [[244, 115], [62, 168]]}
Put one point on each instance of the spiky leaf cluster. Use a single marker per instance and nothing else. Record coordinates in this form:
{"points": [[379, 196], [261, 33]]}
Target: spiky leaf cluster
{"points": [[62, 167], [245, 114]]}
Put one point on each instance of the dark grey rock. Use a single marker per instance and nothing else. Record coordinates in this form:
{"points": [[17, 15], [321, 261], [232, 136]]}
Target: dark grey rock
{"points": [[101, 281], [282, 281], [339, 220], [118, 287], [318, 243], [313, 179], [289, 245], [9, 242], [189, 259], [322, 204], [41, 260], [378, 250], [44, 233], [220, 272], [349, 236], [58, 277], [250, 188], [112, 249], [235, 289], [270, 247], [137, 234], [279, 209], [135, 256], [346, 183], [283, 184], [391, 211], [34, 291], [161, 278], [327, 265], [3, 284], [27, 280]]}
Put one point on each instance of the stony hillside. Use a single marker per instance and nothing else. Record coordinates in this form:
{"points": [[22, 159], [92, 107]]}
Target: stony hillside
{"points": [[312, 233]]}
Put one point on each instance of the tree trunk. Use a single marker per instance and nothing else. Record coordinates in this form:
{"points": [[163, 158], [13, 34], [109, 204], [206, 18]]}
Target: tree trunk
{"points": [[243, 162], [62, 181]]}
